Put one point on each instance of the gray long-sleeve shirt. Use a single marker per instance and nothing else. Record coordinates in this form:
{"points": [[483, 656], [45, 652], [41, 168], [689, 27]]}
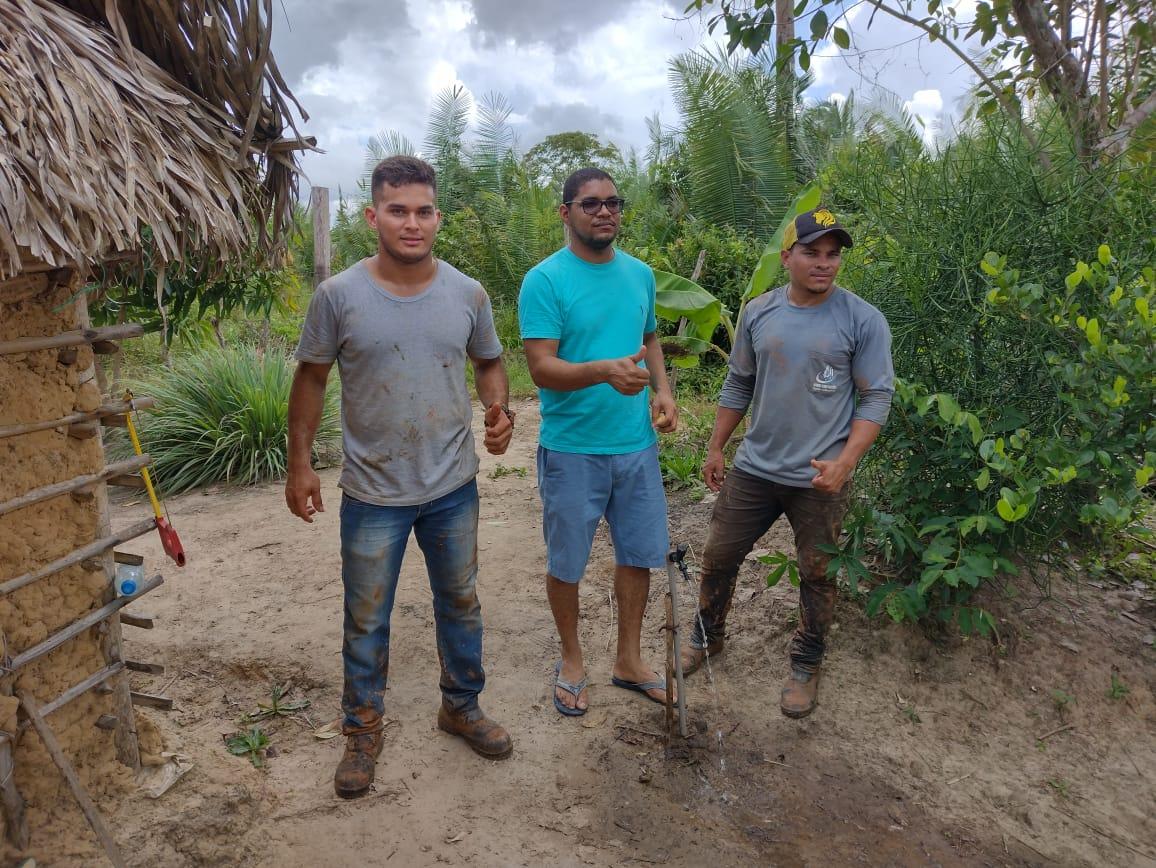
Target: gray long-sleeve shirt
{"points": [[806, 373]]}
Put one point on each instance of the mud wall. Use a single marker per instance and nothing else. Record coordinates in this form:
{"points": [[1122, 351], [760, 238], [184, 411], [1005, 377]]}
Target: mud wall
{"points": [[35, 386]]}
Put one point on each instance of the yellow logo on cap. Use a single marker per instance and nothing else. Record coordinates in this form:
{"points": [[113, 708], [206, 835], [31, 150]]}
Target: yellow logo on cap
{"points": [[824, 217]]}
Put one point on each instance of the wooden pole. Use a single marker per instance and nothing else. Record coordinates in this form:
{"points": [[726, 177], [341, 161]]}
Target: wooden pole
{"points": [[71, 339], [322, 250], [124, 734], [77, 627], [81, 554], [32, 709], [102, 412], [98, 677], [46, 492], [15, 821]]}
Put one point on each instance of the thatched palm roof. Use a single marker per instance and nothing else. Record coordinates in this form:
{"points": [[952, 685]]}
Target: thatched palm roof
{"points": [[167, 115]]}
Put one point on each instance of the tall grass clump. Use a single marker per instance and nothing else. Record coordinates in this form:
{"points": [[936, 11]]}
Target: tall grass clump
{"points": [[222, 416]]}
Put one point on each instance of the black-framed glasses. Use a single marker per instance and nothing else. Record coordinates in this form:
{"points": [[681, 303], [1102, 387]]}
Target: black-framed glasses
{"points": [[591, 207]]}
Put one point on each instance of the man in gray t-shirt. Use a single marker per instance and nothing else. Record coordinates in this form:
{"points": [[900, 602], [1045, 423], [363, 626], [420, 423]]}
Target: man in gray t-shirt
{"points": [[812, 362], [401, 325]]}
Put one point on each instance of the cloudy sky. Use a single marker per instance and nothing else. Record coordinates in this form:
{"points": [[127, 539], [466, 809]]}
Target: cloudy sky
{"points": [[361, 67]]}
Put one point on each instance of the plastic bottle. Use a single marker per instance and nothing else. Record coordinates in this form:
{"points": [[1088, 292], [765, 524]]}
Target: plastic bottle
{"points": [[129, 578]]}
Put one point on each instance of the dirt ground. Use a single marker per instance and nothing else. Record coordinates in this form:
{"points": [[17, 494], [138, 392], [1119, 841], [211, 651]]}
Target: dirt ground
{"points": [[920, 753]]}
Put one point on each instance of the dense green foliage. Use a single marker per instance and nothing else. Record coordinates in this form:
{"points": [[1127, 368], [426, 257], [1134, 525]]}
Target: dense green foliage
{"points": [[222, 415]]}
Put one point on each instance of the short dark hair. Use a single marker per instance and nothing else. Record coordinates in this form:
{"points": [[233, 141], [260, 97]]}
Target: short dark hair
{"points": [[582, 176], [400, 170]]}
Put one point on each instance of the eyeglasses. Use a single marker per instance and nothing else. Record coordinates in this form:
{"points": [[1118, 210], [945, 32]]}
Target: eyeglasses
{"points": [[592, 206]]}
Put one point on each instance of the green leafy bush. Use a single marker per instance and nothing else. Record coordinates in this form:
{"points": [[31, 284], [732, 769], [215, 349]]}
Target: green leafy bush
{"points": [[222, 415], [960, 496]]}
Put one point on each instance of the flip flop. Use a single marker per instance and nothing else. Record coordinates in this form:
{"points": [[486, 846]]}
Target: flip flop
{"points": [[573, 689], [641, 687]]}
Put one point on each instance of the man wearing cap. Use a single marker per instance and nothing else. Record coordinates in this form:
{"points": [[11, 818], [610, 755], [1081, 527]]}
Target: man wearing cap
{"points": [[813, 363]]}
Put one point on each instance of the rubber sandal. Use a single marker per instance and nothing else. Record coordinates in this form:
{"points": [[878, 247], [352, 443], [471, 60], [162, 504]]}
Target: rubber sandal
{"points": [[641, 687], [573, 689]]}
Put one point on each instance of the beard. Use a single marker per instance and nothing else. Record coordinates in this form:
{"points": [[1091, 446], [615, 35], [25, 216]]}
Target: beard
{"points": [[594, 243]]}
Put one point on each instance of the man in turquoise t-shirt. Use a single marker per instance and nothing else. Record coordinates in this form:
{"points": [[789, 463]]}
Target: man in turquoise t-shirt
{"points": [[587, 320]]}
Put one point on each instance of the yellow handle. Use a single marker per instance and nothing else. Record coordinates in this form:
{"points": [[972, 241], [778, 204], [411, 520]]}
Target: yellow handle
{"points": [[144, 471]]}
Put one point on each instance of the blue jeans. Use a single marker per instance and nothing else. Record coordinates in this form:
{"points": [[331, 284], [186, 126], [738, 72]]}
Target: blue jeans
{"points": [[373, 540]]}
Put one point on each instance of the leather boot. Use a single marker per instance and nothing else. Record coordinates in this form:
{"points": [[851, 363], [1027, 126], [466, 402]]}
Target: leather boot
{"points": [[692, 658], [800, 693], [486, 737], [355, 771]]}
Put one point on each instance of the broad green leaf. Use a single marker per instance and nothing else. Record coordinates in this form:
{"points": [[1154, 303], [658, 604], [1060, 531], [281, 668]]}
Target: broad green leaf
{"points": [[819, 24], [948, 408], [1143, 475], [1005, 510], [769, 267], [983, 480], [1073, 280], [776, 575], [676, 297], [1093, 332], [842, 39], [1104, 254]]}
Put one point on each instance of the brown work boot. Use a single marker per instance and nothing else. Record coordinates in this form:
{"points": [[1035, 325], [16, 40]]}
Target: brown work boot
{"points": [[486, 737], [800, 693], [692, 658], [355, 771]]}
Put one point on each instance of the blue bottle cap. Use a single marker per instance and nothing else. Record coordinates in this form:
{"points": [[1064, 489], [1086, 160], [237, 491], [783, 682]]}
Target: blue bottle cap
{"points": [[128, 587]]}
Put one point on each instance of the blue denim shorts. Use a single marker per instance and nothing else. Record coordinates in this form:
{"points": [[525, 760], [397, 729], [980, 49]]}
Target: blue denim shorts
{"points": [[578, 489]]}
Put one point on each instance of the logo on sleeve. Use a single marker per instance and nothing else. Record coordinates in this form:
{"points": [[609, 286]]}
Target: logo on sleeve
{"points": [[824, 380]]}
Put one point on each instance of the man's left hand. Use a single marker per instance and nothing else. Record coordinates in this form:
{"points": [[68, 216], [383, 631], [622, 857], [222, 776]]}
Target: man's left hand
{"points": [[499, 430], [832, 475], [664, 413]]}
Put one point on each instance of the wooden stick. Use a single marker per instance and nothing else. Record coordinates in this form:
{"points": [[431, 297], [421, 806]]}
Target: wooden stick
{"points": [[47, 492], [128, 480], [101, 412], [15, 822], [71, 339], [150, 668], [145, 622], [1055, 731], [90, 812], [81, 554], [90, 620], [669, 668], [152, 701], [81, 688]]}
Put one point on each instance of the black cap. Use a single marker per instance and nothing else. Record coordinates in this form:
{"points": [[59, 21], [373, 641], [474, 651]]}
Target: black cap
{"points": [[814, 224]]}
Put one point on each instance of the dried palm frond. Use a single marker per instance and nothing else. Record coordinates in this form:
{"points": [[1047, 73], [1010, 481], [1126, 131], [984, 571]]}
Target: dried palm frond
{"points": [[117, 116]]}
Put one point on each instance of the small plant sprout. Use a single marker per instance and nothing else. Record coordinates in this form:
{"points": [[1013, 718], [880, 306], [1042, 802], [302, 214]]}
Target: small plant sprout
{"points": [[277, 707], [502, 470], [251, 744], [1063, 701], [1118, 689]]}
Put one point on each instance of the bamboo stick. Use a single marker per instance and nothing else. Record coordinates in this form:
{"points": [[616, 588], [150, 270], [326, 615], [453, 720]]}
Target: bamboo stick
{"points": [[47, 492], [71, 339], [150, 668], [81, 554], [80, 688], [90, 620], [32, 709], [101, 412]]}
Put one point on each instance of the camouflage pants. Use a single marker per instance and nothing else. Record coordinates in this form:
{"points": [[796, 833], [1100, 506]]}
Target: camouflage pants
{"points": [[746, 508]]}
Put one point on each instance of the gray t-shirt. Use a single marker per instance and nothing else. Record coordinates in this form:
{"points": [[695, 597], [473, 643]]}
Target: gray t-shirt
{"points": [[405, 411], [800, 370]]}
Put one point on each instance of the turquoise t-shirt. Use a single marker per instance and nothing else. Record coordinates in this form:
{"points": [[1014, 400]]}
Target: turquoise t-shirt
{"points": [[594, 312]]}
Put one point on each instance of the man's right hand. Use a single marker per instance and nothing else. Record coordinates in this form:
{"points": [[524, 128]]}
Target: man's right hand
{"points": [[714, 469], [625, 375], [303, 493]]}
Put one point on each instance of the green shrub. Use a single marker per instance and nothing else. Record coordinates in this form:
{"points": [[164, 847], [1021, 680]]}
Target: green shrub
{"points": [[222, 415], [959, 496]]}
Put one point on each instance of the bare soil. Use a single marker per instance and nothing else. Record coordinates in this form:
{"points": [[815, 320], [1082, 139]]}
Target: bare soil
{"points": [[921, 752]]}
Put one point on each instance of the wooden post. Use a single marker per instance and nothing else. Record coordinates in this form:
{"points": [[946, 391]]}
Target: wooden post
{"points": [[124, 736], [322, 251], [48, 737], [785, 91]]}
